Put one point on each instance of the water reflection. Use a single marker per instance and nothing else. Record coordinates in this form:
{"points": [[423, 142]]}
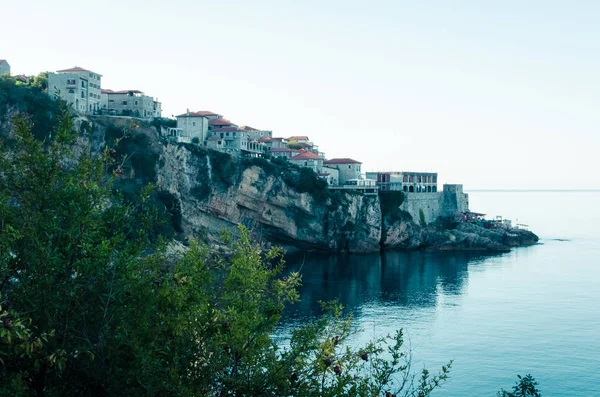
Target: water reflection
{"points": [[405, 279]]}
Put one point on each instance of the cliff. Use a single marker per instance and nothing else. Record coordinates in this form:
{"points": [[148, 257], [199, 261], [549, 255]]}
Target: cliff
{"points": [[204, 192]]}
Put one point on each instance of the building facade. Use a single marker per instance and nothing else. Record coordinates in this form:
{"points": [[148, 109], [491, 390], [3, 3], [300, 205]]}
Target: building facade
{"points": [[130, 103], [79, 87], [407, 181], [4, 67], [308, 160], [348, 168], [195, 124]]}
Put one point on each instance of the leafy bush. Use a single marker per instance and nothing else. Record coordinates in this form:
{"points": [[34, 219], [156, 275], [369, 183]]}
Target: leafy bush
{"points": [[172, 206], [89, 306], [525, 387], [223, 167], [196, 140], [134, 150], [422, 218], [32, 100], [159, 122], [390, 202]]}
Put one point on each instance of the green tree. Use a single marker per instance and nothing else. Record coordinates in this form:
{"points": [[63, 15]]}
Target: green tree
{"points": [[294, 145], [92, 306], [525, 387]]}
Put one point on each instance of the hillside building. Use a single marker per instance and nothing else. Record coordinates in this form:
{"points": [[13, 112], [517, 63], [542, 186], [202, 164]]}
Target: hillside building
{"points": [[77, 86], [195, 124], [406, 181], [130, 103], [348, 168], [309, 160]]}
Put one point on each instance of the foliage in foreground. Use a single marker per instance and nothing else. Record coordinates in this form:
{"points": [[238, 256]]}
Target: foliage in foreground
{"points": [[92, 306], [525, 387]]}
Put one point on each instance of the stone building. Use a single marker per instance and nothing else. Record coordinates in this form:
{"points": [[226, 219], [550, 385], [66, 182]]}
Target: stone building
{"points": [[4, 67], [79, 87], [429, 206], [348, 168], [195, 124], [282, 152], [130, 103], [330, 175], [309, 160], [407, 181], [256, 134]]}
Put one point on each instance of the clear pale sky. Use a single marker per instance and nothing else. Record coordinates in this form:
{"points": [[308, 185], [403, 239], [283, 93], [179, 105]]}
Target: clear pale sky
{"points": [[502, 94]]}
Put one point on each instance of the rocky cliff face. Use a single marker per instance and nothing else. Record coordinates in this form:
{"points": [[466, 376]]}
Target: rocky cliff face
{"points": [[216, 196], [209, 192]]}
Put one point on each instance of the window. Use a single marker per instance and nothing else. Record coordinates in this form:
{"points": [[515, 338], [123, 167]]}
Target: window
{"points": [[83, 83], [83, 94], [124, 103], [136, 102], [194, 123], [349, 167]]}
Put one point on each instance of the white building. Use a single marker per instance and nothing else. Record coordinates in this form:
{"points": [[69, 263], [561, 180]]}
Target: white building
{"points": [[79, 87], [130, 103], [4, 67], [348, 168], [195, 124], [309, 160]]}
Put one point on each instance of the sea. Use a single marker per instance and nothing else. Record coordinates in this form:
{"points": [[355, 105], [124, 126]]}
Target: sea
{"points": [[534, 310]]}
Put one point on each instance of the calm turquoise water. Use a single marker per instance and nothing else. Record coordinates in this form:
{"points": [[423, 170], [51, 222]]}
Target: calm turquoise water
{"points": [[534, 310]]}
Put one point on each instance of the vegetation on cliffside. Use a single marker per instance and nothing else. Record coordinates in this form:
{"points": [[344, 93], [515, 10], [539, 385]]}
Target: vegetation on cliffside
{"points": [[92, 303], [91, 306]]}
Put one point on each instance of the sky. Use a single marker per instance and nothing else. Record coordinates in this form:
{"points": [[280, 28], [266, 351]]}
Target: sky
{"points": [[493, 95]]}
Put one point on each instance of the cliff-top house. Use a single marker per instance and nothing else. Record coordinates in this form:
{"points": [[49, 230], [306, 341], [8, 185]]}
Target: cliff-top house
{"points": [[130, 103], [348, 168], [406, 181], [4, 67], [79, 87]]}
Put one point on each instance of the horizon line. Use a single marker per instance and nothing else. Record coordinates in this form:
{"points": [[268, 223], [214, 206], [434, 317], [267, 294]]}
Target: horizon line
{"points": [[532, 190]]}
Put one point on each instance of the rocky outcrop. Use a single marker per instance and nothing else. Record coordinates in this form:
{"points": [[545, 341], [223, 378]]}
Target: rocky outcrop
{"points": [[208, 192], [464, 237], [212, 201]]}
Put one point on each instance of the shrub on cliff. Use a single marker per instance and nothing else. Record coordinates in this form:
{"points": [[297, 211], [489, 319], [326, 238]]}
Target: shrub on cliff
{"points": [[32, 100], [91, 306]]}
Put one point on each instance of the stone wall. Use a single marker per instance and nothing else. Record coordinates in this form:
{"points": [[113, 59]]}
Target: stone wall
{"points": [[448, 202]]}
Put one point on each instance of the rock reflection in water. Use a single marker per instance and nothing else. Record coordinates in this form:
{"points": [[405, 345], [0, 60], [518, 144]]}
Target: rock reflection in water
{"points": [[391, 279]]}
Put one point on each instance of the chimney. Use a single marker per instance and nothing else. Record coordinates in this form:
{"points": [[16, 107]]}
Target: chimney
{"points": [[188, 112]]}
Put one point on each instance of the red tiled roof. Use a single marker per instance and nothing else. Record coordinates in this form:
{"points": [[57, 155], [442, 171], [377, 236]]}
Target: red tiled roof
{"points": [[298, 138], [278, 139], [201, 113], [305, 155], [341, 161], [106, 91], [265, 139], [248, 128], [282, 150], [21, 77], [304, 144], [2, 61], [219, 121], [75, 69]]}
